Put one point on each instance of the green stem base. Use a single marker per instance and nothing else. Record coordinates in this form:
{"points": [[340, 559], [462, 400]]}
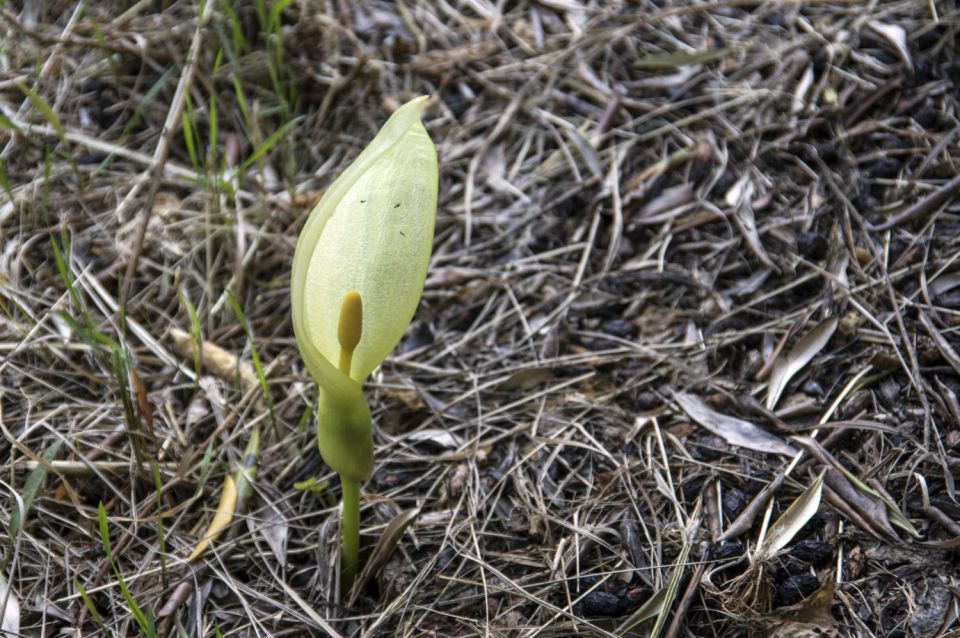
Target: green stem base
{"points": [[350, 525]]}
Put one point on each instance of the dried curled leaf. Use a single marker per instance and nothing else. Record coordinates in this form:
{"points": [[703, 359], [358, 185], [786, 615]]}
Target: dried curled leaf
{"points": [[786, 366], [221, 519], [386, 545], [217, 360], [791, 521]]}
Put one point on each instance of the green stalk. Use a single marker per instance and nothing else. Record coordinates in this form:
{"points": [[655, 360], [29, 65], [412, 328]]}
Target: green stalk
{"points": [[350, 525]]}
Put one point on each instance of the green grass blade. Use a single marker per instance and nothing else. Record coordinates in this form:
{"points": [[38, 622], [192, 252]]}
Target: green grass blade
{"points": [[196, 335], [86, 329], [149, 98], [273, 20], [246, 474], [257, 365], [89, 605], [269, 143], [161, 532], [65, 273], [213, 127], [652, 608], [659, 604], [206, 463], [189, 135], [104, 530], [4, 181], [45, 109], [138, 614], [30, 488], [261, 14], [243, 104], [6, 122]]}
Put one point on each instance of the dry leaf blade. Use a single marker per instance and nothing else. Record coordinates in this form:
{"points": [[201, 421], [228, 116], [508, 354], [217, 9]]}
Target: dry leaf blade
{"points": [[786, 366], [733, 430], [791, 521]]}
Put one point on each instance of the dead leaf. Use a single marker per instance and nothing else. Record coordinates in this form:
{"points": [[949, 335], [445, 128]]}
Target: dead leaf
{"points": [[385, 547], [944, 284], [220, 362], [274, 529], [895, 35], [11, 610], [587, 152], [409, 398], [221, 519], [526, 378], [741, 190], [197, 410], [740, 198], [733, 430], [177, 598], [786, 366], [877, 492], [457, 480], [143, 402], [873, 513], [670, 201], [562, 5], [809, 617], [791, 521], [863, 506], [437, 436], [952, 543]]}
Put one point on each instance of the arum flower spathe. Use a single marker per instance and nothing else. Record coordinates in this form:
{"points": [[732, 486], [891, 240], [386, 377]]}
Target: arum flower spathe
{"points": [[366, 244]]}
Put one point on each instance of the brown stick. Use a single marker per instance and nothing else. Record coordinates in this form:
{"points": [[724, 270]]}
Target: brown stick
{"points": [[677, 623]]}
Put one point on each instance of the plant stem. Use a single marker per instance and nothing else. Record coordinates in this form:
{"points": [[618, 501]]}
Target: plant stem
{"points": [[350, 525]]}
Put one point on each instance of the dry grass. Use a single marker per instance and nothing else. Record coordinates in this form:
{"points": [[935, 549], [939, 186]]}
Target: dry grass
{"points": [[637, 199]]}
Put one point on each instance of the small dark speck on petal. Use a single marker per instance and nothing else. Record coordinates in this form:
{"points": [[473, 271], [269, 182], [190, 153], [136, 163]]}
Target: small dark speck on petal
{"points": [[397, 205], [403, 234], [363, 201]]}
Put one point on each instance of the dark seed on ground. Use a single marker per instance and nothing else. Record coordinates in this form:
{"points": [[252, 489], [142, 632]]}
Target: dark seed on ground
{"points": [[600, 603], [794, 589], [814, 552]]}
